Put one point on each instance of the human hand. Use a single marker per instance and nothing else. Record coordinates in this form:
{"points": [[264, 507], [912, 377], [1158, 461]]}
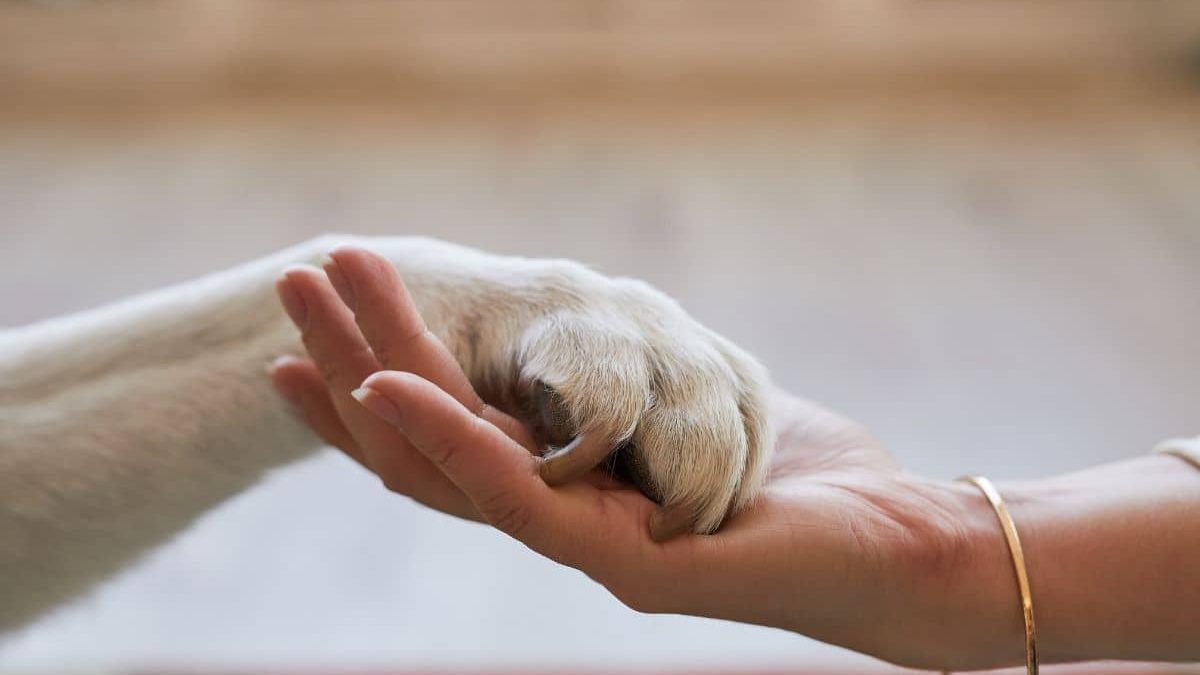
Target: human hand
{"points": [[841, 545]]}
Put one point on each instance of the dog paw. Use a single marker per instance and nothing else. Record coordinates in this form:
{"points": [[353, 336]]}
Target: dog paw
{"points": [[605, 370], [615, 371]]}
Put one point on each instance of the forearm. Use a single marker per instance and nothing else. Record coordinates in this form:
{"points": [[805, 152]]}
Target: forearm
{"points": [[1113, 555], [1119, 552]]}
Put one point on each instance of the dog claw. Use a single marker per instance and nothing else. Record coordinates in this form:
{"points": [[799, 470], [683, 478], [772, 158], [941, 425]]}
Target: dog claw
{"points": [[575, 459]]}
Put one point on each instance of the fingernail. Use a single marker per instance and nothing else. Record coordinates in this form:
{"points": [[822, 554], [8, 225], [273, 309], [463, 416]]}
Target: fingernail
{"points": [[378, 404], [338, 280], [281, 361], [575, 460], [293, 304]]}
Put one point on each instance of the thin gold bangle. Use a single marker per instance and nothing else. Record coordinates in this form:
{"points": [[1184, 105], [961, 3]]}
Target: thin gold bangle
{"points": [[1187, 449], [1018, 559]]}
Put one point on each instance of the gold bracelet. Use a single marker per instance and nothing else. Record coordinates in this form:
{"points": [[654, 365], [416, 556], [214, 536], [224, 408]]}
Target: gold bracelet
{"points": [[1018, 559], [1187, 449]]}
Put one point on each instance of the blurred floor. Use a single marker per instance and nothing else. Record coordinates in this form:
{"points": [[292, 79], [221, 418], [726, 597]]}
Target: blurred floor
{"points": [[995, 279]]}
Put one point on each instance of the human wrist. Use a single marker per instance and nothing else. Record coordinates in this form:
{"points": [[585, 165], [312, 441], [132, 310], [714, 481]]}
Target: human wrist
{"points": [[977, 620], [949, 598], [1055, 519], [1110, 556]]}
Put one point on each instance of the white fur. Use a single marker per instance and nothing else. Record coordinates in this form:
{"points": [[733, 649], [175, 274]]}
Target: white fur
{"points": [[119, 426]]}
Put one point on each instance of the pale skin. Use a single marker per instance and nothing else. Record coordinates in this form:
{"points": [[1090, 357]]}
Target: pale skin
{"points": [[842, 545]]}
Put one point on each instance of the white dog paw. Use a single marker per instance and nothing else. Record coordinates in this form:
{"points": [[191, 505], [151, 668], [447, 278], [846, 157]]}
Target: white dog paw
{"points": [[673, 407]]}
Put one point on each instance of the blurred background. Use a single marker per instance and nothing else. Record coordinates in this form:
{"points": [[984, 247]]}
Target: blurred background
{"points": [[973, 226]]}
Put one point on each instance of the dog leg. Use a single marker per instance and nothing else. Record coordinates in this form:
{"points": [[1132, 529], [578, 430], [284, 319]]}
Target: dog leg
{"points": [[119, 426]]}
